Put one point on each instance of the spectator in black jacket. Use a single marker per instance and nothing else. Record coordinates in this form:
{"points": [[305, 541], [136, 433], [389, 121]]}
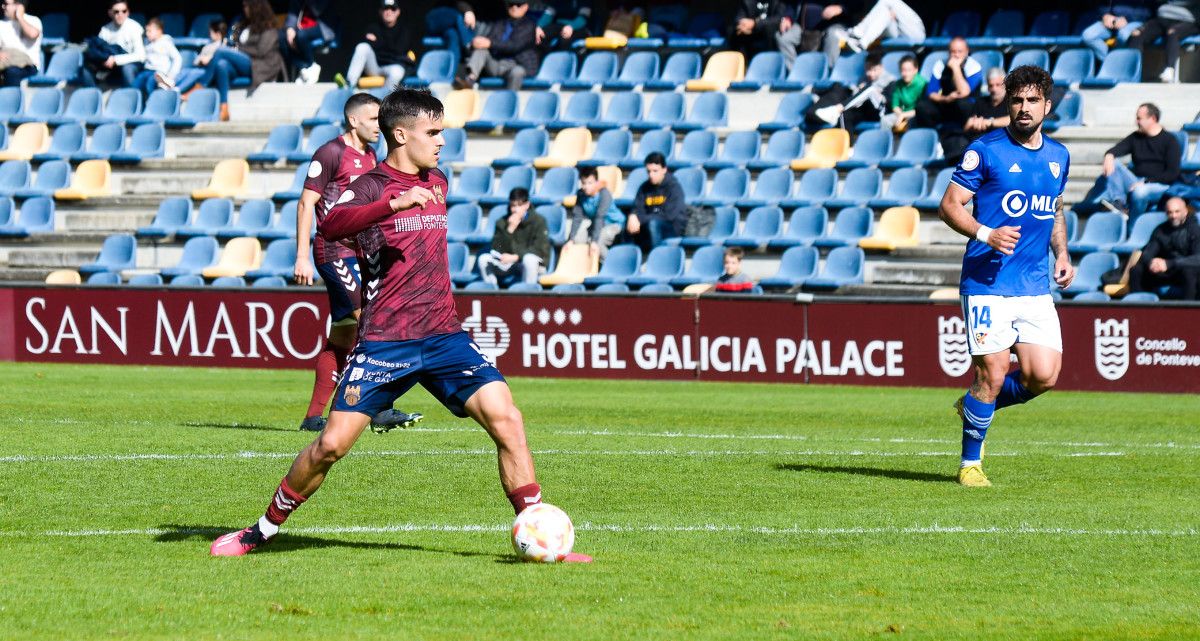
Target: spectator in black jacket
{"points": [[1172, 257], [385, 51], [520, 245], [1173, 21], [659, 208], [765, 25], [508, 51], [1156, 158]]}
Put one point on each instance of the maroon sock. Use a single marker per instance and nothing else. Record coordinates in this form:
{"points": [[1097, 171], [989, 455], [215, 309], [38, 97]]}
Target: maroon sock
{"points": [[326, 378], [524, 496], [285, 501]]}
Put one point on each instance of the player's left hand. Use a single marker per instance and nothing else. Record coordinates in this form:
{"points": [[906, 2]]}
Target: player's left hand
{"points": [[1064, 273]]}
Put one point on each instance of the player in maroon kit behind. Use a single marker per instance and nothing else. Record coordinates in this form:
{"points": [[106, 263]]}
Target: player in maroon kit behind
{"points": [[334, 166], [409, 330]]}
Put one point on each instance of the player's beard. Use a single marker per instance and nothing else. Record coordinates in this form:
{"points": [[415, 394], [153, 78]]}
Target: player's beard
{"points": [[1027, 129]]}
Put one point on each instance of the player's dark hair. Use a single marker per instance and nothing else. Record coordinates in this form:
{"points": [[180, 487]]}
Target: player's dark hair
{"points": [[360, 99], [403, 106], [588, 172], [1152, 110], [909, 58], [1028, 76], [656, 158], [735, 252], [518, 195], [873, 60]]}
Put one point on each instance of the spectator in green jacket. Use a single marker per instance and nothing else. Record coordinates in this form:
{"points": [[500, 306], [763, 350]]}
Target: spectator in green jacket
{"points": [[520, 245], [905, 93]]}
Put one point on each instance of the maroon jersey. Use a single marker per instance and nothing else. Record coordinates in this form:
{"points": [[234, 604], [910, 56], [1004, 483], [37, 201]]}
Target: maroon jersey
{"points": [[334, 166], [405, 270]]}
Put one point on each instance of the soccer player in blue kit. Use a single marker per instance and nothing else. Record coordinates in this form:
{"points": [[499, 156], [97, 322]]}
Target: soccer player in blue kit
{"points": [[1016, 176]]}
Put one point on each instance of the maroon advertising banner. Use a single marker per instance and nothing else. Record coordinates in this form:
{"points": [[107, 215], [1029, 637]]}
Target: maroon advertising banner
{"points": [[1106, 347]]}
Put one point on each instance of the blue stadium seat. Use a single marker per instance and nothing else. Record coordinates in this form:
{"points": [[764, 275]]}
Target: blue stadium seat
{"points": [[796, 265], [11, 102], [228, 282], [197, 35], [525, 287], [1190, 162], [435, 66], [1102, 231], [1140, 297], [660, 140], [847, 71], [963, 23], [106, 140], [459, 257], [214, 214], [471, 184], [203, 105], [806, 225], [891, 61], [740, 148], [639, 67], [1002, 26], [917, 148], [540, 109], [632, 182], [510, 178], [62, 69], [622, 262], [527, 145], [869, 149], [568, 288], [557, 66], [692, 179], [697, 148], [930, 61], [319, 135], [1120, 65], [285, 223], [277, 282], [933, 198], [843, 266], [103, 278], [84, 104], [765, 69], [173, 23], [1046, 28], [172, 214], [809, 68], [905, 187], [297, 186], [557, 183], [161, 105], [728, 187], [1091, 268], [790, 112], [56, 28], [44, 104], [145, 280], [146, 141], [122, 104], [708, 263], [581, 111], [283, 140], [1067, 113], [254, 217], [455, 149], [279, 258], [850, 226], [709, 110], [813, 188], [657, 288], [119, 252], [1194, 125], [499, 108], [611, 148], [14, 175], [1139, 233], [330, 111], [52, 175], [1073, 66], [681, 67], [555, 216], [1035, 57], [772, 187], [612, 288], [725, 225], [1072, 219], [188, 280], [859, 187], [782, 147], [762, 224], [664, 263], [598, 68], [666, 110], [1092, 297], [988, 59], [36, 217], [623, 110], [462, 220], [66, 140]]}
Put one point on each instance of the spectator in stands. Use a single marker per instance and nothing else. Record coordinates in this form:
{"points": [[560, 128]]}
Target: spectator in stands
{"points": [[508, 51], [864, 102], [1172, 257], [1173, 21], [20, 44], [255, 52], [201, 73], [117, 53], [1117, 23], [163, 61], [905, 93], [564, 22], [991, 112], [1156, 158], [890, 18], [765, 25], [520, 245], [389, 41], [595, 218], [660, 208], [948, 95], [307, 23], [453, 22], [733, 281]]}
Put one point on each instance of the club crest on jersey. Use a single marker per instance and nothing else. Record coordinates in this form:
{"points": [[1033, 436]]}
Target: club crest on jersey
{"points": [[352, 394], [438, 196], [1055, 169]]}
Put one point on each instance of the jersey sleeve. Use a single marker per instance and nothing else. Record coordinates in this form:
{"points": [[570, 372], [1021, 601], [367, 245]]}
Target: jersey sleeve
{"points": [[322, 168], [972, 168], [1066, 170]]}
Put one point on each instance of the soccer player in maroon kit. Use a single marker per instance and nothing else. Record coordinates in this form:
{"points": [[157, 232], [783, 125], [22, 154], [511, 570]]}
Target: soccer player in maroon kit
{"points": [[409, 331], [334, 166]]}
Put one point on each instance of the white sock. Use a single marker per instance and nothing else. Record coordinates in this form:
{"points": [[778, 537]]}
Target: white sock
{"points": [[965, 463], [268, 528]]}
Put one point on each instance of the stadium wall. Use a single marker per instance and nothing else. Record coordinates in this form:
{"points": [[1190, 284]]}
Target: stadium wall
{"points": [[773, 339]]}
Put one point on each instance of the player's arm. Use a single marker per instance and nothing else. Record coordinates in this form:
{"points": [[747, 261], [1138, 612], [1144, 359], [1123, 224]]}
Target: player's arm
{"points": [[953, 212], [359, 214], [1064, 273], [304, 224]]}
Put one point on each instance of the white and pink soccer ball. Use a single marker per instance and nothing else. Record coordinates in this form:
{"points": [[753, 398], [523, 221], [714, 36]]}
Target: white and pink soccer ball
{"points": [[543, 533]]}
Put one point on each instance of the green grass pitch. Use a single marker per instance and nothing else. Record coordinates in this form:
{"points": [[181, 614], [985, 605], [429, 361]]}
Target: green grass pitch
{"points": [[714, 511]]}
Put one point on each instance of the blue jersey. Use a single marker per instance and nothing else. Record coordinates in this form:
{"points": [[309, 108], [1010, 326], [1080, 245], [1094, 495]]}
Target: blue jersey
{"points": [[1013, 186]]}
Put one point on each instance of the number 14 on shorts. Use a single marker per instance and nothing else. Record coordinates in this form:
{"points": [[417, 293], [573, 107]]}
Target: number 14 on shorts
{"points": [[981, 316]]}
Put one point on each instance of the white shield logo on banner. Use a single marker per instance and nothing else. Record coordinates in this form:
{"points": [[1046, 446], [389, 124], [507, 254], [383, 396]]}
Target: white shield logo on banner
{"points": [[490, 334], [952, 346], [1112, 348]]}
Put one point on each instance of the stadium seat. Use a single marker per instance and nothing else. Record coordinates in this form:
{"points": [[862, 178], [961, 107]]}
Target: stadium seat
{"points": [[26, 141], [859, 187], [540, 109], [277, 282], [707, 265], [229, 282], [84, 104], [14, 175], [460, 107], [161, 105], [598, 68], [1073, 66], [202, 105], [723, 69], [555, 216], [570, 146], [56, 28], [297, 186], [1034, 57], [692, 179], [35, 217], [44, 104], [611, 148], [482, 237], [698, 148], [847, 71], [611, 177], [762, 224], [283, 140], [850, 226], [654, 288], [740, 148], [173, 213], [813, 188], [988, 59], [666, 111], [68, 277], [455, 149], [285, 223], [933, 198], [1194, 125], [710, 110], [229, 180], [725, 225], [828, 146], [103, 278], [782, 147], [214, 214], [575, 263], [869, 149], [459, 258], [581, 110], [796, 265], [809, 68], [1103, 231], [330, 111], [510, 178], [622, 262], [92, 179], [11, 102], [471, 184], [525, 287], [963, 23], [556, 67], [122, 104], [119, 252], [528, 144], [624, 199], [105, 141], [1139, 233], [1091, 268], [188, 280], [1140, 297], [1092, 297], [898, 227], [435, 66], [197, 34], [790, 113], [623, 110], [568, 288], [843, 266], [639, 67], [772, 187], [805, 226], [766, 68], [728, 187], [279, 259], [51, 176], [318, 136], [501, 107], [664, 263], [681, 68], [1046, 28], [905, 186], [462, 220], [145, 280], [1120, 65], [612, 288], [239, 256], [1072, 219], [557, 183], [1067, 113], [254, 217], [660, 140], [146, 141], [917, 148]]}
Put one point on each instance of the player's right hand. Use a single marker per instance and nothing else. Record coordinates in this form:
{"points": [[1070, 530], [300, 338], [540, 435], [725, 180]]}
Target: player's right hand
{"points": [[415, 197], [304, 272], [1004, 239]]}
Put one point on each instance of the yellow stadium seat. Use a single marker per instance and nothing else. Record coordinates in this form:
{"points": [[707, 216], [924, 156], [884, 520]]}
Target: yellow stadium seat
{"points": [[229, 180], [609, 41], [575, 263], [240, 256], [723, 68], [612, 178], [1121, 287], [63, 277], [26, 140], [898, 227], [828, 146], [459, 107], [92, 179], [371, 82], [570, 146], [944, 293]]}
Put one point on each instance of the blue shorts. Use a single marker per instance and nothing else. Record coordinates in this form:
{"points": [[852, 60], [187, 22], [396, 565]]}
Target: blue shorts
{"points": [[344, 286], [449, 366]]}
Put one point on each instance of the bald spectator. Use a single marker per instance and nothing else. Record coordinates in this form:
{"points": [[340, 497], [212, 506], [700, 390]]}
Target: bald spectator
{"points": [[1172, 257], [949, 95]]}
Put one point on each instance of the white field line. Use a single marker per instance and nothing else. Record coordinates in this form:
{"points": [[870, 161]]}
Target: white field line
{"points": [[708, 528]]}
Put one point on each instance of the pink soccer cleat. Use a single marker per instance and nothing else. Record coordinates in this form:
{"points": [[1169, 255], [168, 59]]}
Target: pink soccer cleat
{"points": [[239, 543]]}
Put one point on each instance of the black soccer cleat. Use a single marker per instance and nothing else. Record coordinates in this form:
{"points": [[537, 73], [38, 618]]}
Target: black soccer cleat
{"points": [[388, 420], [313, 424]]}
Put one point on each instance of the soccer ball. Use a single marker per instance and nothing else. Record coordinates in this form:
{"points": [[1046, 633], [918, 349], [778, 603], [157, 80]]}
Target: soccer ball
{"points": [[543, 533]]}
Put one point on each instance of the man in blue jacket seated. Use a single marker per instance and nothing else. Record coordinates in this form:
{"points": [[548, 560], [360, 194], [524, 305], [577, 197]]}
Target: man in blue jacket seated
{"points": [[659, 209]]}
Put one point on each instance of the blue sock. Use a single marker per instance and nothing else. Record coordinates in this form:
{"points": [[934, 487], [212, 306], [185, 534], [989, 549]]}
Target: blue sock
{"points": [[977, 417], [1013, 392]]}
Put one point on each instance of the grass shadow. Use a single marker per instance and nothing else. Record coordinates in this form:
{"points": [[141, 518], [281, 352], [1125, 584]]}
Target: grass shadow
{"points": [[238, 426], [904, 475], [285, 542]]}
